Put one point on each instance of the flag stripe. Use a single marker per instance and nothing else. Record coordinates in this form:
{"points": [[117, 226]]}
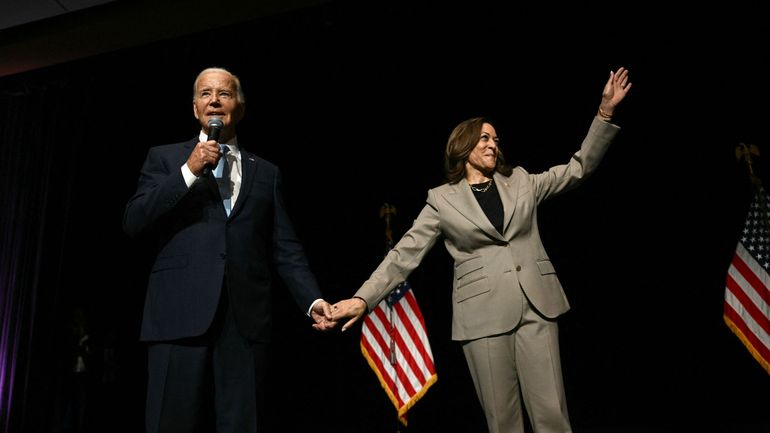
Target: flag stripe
{"points": [[424, 349], [378, 334], [398, 323], [749, 338], [375, 362], [746, 309], [410, 376], [739, 311], [403, 386], [381, 361], [742, 297], [755, 275], [408, 346], [395, 375]]}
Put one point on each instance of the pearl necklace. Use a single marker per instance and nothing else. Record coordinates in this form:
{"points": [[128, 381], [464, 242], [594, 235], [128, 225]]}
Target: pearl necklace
{"points": [[482, 188]]}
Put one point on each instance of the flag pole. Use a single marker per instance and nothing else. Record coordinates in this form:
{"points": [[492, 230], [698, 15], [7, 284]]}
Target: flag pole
{"points": [[387, 210], [745, 151]]}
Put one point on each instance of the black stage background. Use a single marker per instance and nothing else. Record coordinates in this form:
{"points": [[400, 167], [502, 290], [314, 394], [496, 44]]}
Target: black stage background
{"points": [[355, 103]]}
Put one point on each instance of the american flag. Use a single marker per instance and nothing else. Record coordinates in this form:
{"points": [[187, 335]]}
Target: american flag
{"points": [[394, 342], [747, 295]]}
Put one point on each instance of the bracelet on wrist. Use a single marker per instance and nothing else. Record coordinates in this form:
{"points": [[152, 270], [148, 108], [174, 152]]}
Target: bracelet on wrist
{"points": [[604, 115]]}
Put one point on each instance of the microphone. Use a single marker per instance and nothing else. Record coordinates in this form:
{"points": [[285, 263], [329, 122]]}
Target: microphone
{"points": [[215, 127]]}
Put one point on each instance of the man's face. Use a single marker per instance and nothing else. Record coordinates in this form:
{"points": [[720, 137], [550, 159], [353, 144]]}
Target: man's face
{"points": [[216, 96]]}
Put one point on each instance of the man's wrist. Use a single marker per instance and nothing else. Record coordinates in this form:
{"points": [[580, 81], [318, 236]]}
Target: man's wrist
{"points": [[309, 310]]}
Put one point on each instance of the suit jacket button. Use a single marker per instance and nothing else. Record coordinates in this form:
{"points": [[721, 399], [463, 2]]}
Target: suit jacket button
{"points": [[222, 256], [518, 268]]}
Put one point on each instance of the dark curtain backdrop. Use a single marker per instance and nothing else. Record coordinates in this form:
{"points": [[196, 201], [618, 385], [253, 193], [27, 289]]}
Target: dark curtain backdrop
{"points": [[39, 149], [355, 103]]}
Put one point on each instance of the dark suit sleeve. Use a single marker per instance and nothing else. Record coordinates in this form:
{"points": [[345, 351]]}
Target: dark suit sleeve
{"points": [[290, 260], [160, 186]]}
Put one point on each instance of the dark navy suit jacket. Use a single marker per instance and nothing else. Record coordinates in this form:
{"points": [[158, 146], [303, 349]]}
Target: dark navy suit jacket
{"points": [[199, 246]]}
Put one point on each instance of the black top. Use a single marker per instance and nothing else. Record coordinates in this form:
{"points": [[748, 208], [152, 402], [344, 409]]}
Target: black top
{"points": [[490, 203]]}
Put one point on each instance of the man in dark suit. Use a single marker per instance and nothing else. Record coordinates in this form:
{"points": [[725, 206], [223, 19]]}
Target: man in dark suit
{"points": [[207, 312]]}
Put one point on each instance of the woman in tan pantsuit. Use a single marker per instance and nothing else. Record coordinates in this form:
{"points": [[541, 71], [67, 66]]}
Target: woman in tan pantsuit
{"points": [[506, 295]]}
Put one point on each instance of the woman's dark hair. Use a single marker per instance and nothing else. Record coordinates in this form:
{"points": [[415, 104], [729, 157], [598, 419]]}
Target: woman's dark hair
{"points": [[461, 142]]}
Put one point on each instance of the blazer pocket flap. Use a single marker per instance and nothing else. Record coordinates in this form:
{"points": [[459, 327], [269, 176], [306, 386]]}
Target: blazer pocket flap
{"points": [[546, 267], [467, 266], [169, 262], [470, 290]]}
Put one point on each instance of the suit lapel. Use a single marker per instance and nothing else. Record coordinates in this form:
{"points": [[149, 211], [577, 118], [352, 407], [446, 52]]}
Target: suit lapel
{"points": [[508, 194], [462, 199], [248, 173]]}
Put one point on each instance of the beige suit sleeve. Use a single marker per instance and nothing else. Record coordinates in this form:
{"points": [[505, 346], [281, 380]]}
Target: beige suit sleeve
{"points": [[564, 177], [405, 256]]}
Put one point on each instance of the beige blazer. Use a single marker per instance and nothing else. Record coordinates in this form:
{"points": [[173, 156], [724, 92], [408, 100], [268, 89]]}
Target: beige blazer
{"points": [[491, 270]]}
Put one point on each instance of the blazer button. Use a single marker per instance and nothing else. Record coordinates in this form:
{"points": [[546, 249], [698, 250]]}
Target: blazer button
{"points": [[518, 268], [222, 256]]}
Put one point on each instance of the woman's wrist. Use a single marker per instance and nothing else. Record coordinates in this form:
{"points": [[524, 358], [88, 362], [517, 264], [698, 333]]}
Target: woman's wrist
{"points": [[363, 301], [607, 117]]}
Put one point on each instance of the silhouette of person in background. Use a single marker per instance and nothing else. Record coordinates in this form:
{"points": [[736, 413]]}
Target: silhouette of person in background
{"points": [[77, 383]]}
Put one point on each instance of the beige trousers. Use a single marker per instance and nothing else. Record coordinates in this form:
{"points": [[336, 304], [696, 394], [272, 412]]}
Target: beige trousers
{"points": [[522, 364]]}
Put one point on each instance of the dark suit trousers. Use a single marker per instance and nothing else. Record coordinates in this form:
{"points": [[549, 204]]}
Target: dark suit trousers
{"points": [[212, 383]]}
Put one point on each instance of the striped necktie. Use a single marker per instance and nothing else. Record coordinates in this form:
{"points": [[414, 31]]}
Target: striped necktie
{"points": [[222, 174]]}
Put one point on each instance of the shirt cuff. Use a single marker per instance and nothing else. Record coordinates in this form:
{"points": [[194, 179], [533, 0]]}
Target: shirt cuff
{"points": [[189, 177], [313, 305]]}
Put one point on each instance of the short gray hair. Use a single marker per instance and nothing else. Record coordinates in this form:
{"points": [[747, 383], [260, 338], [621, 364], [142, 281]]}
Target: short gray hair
{"points": [[238, 89]]}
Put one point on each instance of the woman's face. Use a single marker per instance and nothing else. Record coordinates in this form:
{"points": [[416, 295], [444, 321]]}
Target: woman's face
{"points": [[483, 157]]}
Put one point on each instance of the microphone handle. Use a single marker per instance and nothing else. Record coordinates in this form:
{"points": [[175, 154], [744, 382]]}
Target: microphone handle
{"points": [[213, 135]]}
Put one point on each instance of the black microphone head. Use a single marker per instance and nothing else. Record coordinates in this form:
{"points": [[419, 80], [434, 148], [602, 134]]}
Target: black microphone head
{"points": [[215, 127]]}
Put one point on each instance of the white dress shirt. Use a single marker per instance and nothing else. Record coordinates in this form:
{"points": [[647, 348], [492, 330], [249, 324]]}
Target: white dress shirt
{"points": [[233, 161]]}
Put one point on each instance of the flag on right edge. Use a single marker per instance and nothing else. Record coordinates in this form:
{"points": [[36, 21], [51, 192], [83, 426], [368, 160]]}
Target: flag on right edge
{"points": [[747, 293]]}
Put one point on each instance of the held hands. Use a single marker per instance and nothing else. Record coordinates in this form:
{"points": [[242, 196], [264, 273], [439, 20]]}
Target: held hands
{"points": [[614, 91], [326, 316], [321, 314], [353, 307]]}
